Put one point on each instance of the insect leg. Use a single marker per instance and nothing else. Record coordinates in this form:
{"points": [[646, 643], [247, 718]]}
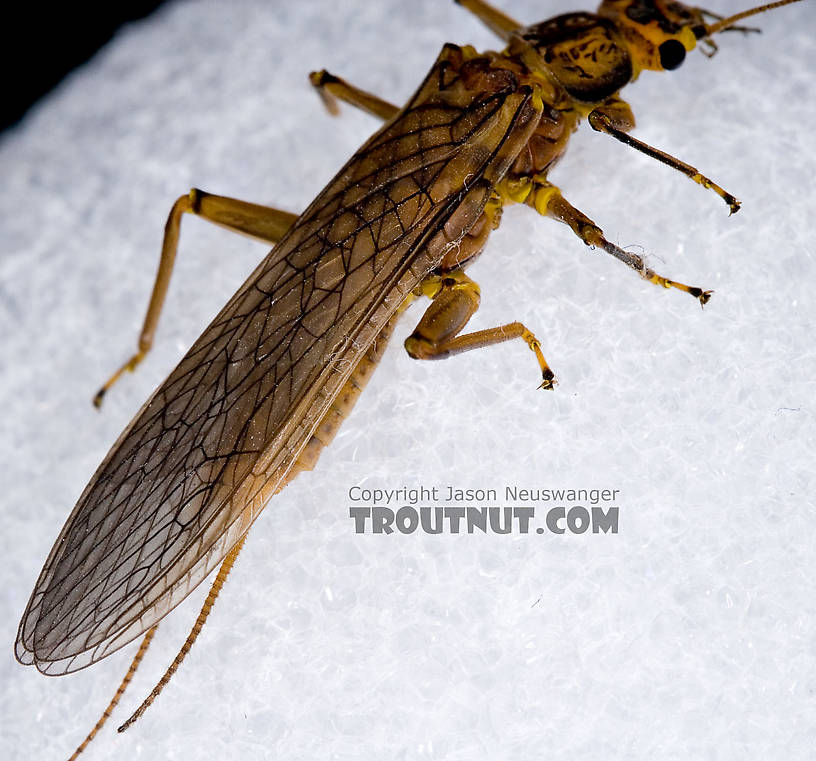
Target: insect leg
{"points": [[547, 200], [615, 120], [261, 222], [495, 20], [330, 87], [455, 300]]}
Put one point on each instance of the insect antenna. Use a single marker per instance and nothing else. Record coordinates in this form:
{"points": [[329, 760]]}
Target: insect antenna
{"points": [[215, 589], [718, 17], [728, 23]]}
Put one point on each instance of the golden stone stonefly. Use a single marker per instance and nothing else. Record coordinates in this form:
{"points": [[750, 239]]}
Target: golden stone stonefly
{"points": [[268, 383]]}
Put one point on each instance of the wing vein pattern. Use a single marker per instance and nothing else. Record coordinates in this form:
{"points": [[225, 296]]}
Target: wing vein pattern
{"points": [[197, 464]]}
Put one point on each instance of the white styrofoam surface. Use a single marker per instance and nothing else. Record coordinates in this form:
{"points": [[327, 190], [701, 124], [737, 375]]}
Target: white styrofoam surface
{"points": [[690, 634]]}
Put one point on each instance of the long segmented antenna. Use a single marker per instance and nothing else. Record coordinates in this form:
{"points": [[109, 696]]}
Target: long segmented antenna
{"points": [[721, 26]]}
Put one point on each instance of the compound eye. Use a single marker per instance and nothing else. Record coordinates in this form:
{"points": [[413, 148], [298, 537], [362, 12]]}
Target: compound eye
{"points": [[672, 54]]}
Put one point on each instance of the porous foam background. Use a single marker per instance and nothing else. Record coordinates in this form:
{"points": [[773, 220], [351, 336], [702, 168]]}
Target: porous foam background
{"points": [[689, 634]]}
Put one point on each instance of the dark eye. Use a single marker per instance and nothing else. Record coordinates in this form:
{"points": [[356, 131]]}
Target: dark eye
{"points": [[672, 54]]}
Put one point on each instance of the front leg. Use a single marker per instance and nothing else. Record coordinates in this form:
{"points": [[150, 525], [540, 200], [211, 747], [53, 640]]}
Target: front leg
{"points": [[617, 113], [615, 118]]}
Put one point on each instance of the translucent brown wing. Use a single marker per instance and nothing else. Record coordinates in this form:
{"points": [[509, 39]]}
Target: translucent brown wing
{"points": [[195, 467]]}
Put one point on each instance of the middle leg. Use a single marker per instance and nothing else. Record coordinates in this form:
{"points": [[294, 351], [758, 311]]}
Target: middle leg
{"points": [[547, 200]]}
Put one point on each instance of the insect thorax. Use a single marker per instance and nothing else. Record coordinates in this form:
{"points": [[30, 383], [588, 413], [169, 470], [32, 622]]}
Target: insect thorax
{"points": [[582, 52]]}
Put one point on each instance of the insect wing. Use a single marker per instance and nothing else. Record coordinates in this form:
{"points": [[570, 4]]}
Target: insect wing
{"points": [[195, 467]]}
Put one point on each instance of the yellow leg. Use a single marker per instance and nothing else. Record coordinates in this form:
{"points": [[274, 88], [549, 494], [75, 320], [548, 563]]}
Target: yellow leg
{"points": [[260, 222], [605, 122], [455, 300], [330, 87], [547, 200], [495, 20]]}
